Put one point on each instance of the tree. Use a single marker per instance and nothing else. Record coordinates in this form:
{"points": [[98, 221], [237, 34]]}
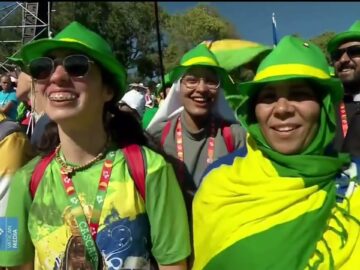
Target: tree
{"points": [[322, 41], [129, 27], [187, 30], [10, 34]]}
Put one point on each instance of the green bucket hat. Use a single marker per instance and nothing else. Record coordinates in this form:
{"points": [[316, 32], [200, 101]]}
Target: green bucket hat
{"points": [[353, 34], [202, 56], [292, 58], [77, 37]]}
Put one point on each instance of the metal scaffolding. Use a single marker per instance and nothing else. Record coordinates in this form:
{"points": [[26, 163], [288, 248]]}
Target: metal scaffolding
{"points": [[32, 26]]}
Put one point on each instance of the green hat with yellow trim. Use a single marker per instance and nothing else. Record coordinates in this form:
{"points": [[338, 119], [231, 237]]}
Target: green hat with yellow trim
{"points": [[293, 58], [202, 56], [353, 34], [77, 37]]}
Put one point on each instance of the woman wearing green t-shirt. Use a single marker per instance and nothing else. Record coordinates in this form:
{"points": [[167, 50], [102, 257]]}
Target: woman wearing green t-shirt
{"points": [[86, 212]]}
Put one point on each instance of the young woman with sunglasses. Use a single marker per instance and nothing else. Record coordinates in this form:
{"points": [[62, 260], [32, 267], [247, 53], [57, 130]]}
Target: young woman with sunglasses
{"points": [[86, 212]]}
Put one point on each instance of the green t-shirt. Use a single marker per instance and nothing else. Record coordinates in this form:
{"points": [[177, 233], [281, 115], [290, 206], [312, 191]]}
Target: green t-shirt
{"points": [[128, 228]]}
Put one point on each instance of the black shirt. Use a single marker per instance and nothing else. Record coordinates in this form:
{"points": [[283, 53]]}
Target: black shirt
{"points": [[351, 143]]}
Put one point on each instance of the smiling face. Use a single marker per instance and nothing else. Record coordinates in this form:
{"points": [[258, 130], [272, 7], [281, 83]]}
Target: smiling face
{"points": [[199, 90], [71, 99], [288, 115], [347, 67]]}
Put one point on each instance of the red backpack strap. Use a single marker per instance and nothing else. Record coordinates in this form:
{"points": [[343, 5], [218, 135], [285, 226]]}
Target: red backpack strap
{"points": [[38, 172], [165, 132], [228, 137], [136, 165]]}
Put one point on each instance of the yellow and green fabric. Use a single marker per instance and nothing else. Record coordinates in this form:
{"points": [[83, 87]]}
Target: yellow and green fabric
{"points": [[233, 53], [15, 151], [259, 209], [202, 56], [47, 227]]}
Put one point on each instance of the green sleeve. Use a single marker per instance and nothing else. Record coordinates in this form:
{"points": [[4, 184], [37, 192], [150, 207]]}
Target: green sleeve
{"points": [[166, 210], [18, 207]]}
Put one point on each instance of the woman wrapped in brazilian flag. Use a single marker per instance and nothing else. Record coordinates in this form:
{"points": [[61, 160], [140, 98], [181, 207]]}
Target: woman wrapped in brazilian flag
{"points": [[287, 200]]}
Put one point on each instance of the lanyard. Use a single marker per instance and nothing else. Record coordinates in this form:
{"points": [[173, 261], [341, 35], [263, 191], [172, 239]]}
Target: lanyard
{"points": [[343, 117], [89, 231], [180, 146]]}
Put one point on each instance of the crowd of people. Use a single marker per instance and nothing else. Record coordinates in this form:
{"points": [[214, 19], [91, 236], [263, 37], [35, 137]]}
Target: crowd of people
{"points": [[98, 174]]}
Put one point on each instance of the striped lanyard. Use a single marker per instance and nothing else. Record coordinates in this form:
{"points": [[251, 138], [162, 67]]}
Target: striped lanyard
{"points": [[180, 146], [89, 230], [343, 117]]}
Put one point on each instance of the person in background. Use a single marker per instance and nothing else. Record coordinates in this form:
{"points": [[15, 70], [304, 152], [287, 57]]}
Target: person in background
{"points": [[15, 151], [195, 111], [133, 102], [151, 107], [284, 200], [23, 95], [163, 90], [36, 120], [8, 100], [344, 50], [195, 125], [87, 211]]}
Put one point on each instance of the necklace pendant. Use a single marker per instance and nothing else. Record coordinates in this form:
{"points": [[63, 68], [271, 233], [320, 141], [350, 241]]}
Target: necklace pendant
{"points": [[66, 170]]}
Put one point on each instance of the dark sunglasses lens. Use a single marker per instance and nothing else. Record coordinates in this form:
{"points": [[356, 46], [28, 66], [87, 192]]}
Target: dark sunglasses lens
{"points": [[41, 68], [350, 51], [353, 51], [336, 55], [76, 65]]}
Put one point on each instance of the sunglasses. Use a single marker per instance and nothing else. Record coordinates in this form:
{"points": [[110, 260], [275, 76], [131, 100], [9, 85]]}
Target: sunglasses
{"points": [[352, 52], [76, 65]]}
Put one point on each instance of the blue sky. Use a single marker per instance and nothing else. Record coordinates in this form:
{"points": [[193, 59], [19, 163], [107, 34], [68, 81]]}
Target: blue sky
{"points": [[253, 19]]}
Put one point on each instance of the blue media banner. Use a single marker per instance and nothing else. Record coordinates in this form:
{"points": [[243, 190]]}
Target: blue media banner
{"points": [[8, 233]]}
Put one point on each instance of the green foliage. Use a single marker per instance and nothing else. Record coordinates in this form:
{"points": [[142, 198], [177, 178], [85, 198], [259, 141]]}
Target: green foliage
{"points": [[10, 34], [189, 29], [322, 41], [129, 27]]}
